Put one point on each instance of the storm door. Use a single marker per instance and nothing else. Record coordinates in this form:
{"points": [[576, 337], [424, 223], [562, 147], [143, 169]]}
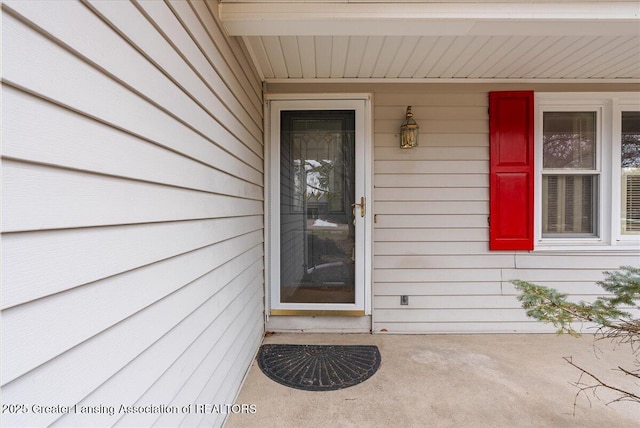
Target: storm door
{"points": [[320, 212]]}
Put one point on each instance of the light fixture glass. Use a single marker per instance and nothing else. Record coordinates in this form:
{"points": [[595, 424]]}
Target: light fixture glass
{"points": [[409, 131]]}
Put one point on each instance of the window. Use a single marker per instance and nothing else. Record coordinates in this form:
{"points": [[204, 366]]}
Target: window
{"points": [[569, 174], [630, 172], [587, 170]]}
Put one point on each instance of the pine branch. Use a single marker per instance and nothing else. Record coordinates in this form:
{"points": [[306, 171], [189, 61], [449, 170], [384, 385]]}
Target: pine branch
{"points": [[548, 305], [625, 395]]}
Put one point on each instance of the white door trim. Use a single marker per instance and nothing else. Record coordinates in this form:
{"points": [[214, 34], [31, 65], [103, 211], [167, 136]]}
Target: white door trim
{"points": [[274, 104]]}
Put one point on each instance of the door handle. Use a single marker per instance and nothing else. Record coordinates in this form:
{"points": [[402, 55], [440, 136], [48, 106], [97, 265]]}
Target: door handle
{"points": [[362, 206]]}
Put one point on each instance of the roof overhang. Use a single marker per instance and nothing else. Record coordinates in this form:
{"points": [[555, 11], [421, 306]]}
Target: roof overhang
{"points": [[348, 18], [600, 24]]}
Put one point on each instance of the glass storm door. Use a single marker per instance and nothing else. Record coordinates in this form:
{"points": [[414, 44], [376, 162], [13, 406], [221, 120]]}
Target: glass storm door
{"points": [[320, 211]]}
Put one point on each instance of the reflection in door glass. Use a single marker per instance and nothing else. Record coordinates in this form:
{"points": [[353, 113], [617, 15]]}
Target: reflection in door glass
{"points": [[317, 231]]}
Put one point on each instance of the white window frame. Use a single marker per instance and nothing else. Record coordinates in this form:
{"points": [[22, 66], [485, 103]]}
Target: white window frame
{"points": [[618, 108], [608, 108]]}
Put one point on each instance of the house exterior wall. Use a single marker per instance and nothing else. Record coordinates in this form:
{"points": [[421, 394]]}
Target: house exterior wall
{"points": [[132, 212], [431, 235]]}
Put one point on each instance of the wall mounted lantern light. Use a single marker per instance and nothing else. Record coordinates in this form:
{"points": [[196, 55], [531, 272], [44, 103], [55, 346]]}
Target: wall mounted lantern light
{"points": [[409, 131]]}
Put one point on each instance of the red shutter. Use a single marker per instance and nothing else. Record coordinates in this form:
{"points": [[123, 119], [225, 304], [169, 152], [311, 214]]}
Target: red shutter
{"points": [[511, 170]]}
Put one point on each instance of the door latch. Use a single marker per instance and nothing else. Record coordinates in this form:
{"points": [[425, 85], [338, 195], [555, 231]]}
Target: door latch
{"points": [[362, 206]]}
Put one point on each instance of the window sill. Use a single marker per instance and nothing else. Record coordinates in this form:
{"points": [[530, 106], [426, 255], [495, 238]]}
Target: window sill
{"points": [[626, 248]]}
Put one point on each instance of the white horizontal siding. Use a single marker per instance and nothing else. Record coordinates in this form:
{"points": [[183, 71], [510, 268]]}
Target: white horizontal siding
{"points": [[432, 194], [464, 315], [428, 139], [473, 288], [77, 85], [431, 231], [59, 138], [449, 302], [449, 182], [425, 288], [456, 327], [33, 328], [463, 234], [132, 165], [35, 267], [576, 261], [432, 221], [82, 369], [46, 197], [436, 207], [433, 153], [164, 362], [440, 261], [384, 166]]}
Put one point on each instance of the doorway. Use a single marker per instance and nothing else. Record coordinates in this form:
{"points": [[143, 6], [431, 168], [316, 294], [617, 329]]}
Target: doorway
{"points": [[318, 208]]}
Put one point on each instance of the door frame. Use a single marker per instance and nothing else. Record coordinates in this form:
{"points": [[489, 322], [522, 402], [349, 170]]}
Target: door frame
{"points": [[274, 104]]}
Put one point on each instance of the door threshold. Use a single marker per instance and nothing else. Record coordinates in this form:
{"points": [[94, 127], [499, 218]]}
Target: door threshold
{"points": [[319, 324], [317, 312]]}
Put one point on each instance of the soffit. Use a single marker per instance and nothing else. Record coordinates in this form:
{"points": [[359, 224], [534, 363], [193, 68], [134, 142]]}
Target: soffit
{"points": [[504, 40]]}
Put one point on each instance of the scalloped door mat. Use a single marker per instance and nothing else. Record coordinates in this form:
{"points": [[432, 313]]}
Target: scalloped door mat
{"points": [[319, 367]]}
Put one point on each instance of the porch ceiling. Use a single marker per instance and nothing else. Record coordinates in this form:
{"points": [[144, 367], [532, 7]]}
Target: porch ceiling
{"points": [[439, 41]]}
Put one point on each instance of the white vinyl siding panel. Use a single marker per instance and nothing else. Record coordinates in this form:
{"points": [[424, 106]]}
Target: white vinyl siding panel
{"points": [[132, 210]]}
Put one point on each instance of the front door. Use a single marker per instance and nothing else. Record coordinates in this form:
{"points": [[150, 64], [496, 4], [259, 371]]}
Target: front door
{"points": [[318, 208]]}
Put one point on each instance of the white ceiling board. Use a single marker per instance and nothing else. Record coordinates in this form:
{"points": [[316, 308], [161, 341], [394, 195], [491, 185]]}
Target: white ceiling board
{"points": [[387, 55], [626, 65], [632, 69], [259, 56], [455, 50], [439, 40], [405, 50], [291, 53], [370, 56], [489, 59], [610, 58], [339, 50], [469, 57], [456, 67], [557, 53], [276, 56], [323, 45], [435, 53], [542, 54], [306, 45], [518, 68], [577, 51], [419, 55], [355, 53], [593, 53]]}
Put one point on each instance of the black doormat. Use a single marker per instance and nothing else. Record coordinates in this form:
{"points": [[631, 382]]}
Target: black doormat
{"points": [[319, 367]]}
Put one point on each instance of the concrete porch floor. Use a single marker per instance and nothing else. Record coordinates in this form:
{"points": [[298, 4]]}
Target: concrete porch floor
{"points": [[451, 381]]}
